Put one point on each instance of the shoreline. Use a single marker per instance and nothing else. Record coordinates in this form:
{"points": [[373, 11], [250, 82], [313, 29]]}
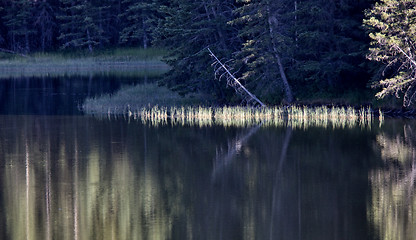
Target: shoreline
{"points": [[152, 68], [61, 63], [133, 99]]}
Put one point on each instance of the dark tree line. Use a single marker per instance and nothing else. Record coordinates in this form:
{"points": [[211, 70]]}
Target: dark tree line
{"points": [[280, 49], [45, 25]]}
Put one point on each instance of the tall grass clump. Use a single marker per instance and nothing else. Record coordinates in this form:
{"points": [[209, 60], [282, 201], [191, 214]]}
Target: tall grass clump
{"points": [[292, 116], [154, 104]]}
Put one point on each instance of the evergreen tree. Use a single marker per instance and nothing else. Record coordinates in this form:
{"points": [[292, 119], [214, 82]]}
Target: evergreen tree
{"points": [[263, 57], [109, 20], [186, 29], [275, 47], [2, 40], [393, 32], [138, 22], [79, 26], [18, 19], [329, 46], [312, 46], [45, 21]]}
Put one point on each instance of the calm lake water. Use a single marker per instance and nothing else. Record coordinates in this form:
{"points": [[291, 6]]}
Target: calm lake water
{"points": [[69, 176], [58, 95]]}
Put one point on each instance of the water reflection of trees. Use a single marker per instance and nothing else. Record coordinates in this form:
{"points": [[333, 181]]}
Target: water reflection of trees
{"points": [[58, 187], [285, 184], [55, 95], [393, 185], [83, 178]]}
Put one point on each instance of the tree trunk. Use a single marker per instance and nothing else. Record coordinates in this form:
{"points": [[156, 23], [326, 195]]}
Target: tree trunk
{"points": [[219, 37], [276, 196], [145, 38], [27, 46], [89, 41], [219, 31], [286, 86], [43, 36], [296, 22], [100, 17]]}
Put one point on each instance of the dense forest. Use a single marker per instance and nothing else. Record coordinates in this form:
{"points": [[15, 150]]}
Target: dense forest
{"points": [[282, 50]]}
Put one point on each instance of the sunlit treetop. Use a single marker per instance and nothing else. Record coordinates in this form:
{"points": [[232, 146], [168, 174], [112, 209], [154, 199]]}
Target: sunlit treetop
{"points": [[392, 25]]}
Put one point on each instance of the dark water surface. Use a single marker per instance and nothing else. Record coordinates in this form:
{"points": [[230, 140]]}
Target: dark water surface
{"points": [[58, 95], [80, 177]]}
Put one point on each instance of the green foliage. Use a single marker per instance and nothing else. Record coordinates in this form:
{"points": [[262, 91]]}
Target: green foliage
{"points": [[392, 25], [186, 29], [79, 27], [274, 47], [138, 21], [321, 46], [18, 22], [264, 27], [44, 20], [329, 46]]}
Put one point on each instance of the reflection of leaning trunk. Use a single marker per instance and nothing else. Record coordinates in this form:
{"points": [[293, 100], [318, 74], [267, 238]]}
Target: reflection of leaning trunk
{"points": [[276, 196], [272, 21], [27, 175], [48, 184], [75, 188], [223, 160]]}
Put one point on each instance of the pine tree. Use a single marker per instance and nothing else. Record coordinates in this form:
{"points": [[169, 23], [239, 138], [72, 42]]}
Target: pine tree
{"points": [[138, 21], [46, 23], [109, 20], [312, 46], [79, 26], [265, 28], [186, 29], [18, 19], [2, 40], [393, 32], [330, 45]]}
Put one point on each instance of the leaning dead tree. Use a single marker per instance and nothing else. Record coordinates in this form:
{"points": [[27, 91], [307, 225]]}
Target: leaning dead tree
{"points": [[223, 72]]}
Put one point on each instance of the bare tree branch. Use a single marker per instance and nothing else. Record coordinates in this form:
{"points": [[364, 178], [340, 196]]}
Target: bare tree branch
{"points": [[233, 82]]}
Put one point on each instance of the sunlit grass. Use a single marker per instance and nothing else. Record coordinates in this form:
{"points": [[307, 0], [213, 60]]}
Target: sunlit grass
{"points": [[157, 105], [292, 116]]}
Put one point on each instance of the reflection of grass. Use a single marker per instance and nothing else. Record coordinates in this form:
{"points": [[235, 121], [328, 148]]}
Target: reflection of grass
{"points": [[158, 105], [117, 60]]}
